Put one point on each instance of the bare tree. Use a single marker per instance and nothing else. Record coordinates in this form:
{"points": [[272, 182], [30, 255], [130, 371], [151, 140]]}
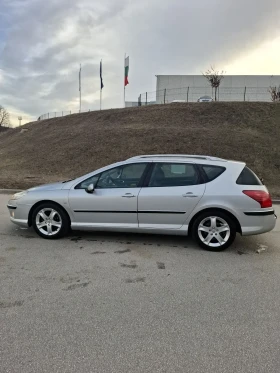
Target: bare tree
{"points": [[4, 117], [214, 77], [275, 95]]}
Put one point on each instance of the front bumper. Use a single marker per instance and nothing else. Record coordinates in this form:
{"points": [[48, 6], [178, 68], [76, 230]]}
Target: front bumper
{"points": [[17, 216], [20, 222]]}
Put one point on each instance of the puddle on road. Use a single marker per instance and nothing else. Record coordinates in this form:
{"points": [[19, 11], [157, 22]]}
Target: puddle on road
{"points": [[17, 303], [160, 265], [11, 249], [132, 265], [76, 286], [122, 251], [134, 280]]}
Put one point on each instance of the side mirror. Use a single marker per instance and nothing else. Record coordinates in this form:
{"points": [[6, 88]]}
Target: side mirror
{"points": [[90, 188]]}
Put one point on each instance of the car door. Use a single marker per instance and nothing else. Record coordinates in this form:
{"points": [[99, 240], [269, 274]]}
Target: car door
{"points": [[113, 203], [171, 194]]}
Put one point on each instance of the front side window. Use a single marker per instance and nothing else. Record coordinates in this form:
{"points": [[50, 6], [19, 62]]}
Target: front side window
{"points": [[127, 176], [173, 174], [84, 184]]}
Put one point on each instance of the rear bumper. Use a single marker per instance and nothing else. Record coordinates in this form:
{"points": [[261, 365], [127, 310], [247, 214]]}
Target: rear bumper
{"points": [[258, 222], [260, 213]]}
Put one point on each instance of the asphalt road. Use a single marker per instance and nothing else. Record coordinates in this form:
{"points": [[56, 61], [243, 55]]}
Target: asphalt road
{"points": [[98, 302]]}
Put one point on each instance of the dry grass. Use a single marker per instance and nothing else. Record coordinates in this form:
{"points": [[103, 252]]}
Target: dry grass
{"points": [[5, 129], [62, 148]]}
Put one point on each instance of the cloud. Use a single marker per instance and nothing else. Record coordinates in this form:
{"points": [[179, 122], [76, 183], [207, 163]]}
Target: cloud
{"points": [[42, 44]]}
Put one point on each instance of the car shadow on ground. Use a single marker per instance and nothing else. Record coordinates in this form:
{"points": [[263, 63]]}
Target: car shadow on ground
{"points": [[241, 246]]}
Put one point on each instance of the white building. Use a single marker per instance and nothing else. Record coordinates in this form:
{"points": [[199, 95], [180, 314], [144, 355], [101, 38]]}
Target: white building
{"points": [[233, 87]]}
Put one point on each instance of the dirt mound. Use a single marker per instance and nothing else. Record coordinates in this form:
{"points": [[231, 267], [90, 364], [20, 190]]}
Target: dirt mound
{"points": [[67, 147]]}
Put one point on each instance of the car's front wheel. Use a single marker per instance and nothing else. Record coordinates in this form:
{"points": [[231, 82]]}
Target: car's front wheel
{"points": [[214, 230], [50, 221]]}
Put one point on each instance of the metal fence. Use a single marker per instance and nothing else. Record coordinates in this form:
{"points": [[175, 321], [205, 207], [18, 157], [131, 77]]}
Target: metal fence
{"points": [[57, 114], [192, 94], [188, 94]]}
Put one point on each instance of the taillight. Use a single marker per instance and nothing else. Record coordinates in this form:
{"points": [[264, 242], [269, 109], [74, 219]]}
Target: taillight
{"points": [[260, 196]]}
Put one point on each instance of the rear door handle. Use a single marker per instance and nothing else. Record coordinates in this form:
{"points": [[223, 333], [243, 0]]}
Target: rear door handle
{"points": [[190, 195], [128, 195]]}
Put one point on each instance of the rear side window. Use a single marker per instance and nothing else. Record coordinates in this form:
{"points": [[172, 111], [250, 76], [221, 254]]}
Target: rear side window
{"points": [[248, 177], [173, 174], [212, 172]]}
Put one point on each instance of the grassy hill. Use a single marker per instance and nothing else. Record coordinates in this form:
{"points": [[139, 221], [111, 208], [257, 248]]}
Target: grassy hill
{"points": [[67, 147], [5, 129]]}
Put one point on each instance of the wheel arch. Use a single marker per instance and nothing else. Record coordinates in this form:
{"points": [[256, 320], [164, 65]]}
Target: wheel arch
{"points": [[211, 209], [41, 203]]}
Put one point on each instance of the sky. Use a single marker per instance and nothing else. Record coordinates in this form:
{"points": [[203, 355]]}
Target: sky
{"points": [[42, 44]]}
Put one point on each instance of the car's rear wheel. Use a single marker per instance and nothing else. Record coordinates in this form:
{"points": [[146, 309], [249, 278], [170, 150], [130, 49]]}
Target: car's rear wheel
{"points": [[50, 221], [214, 230]]}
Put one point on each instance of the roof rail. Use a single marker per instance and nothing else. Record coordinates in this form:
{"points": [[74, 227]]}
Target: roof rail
{"points": [[201, 157]]}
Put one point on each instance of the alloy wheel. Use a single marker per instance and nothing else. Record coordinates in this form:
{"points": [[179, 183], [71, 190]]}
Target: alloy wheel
{"points": [[214, 231], [48, 221]]}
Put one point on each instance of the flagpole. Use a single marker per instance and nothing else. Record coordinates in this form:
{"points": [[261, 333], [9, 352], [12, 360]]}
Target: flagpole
{"points": [[80, 78], [124, 82], [101, 67]]}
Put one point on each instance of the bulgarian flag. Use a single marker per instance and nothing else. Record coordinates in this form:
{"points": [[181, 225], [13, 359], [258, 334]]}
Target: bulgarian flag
{"points": [[126, 70]]}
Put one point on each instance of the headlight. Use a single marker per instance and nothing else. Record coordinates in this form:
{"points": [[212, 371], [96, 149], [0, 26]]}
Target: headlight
{"points": [[18, 195]]}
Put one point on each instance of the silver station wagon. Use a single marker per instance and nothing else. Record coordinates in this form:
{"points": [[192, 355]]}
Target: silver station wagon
{"points": [[209, 198]]}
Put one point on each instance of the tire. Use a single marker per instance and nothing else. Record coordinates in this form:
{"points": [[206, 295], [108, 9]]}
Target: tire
{"points": [[50, 221], [214, 230]]}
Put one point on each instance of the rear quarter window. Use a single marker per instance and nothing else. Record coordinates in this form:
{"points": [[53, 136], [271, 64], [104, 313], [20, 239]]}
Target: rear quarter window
{"points": [[248, 177], [212, 172]]}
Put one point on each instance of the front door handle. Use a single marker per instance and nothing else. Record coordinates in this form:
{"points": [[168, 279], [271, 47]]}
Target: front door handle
{"points": [[190, 195], [128, 195]]}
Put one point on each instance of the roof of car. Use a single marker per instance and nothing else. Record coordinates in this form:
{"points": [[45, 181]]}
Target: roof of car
{"points": [[177, 156]]}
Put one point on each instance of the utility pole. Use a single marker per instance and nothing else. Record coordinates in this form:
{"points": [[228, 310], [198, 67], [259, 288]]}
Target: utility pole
{"points": [[124, 82], [101, 83], [80, 87]]}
